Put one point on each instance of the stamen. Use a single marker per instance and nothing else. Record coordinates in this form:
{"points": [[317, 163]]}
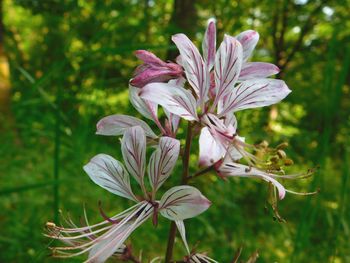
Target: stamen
{"points": [[105, 216], [306, 193]]}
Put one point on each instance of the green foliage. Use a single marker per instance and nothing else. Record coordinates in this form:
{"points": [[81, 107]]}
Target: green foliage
{"points": [[70, 64]]}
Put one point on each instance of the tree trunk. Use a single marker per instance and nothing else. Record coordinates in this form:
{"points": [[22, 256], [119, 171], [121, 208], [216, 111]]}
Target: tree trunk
{"points": [[183, 20]]}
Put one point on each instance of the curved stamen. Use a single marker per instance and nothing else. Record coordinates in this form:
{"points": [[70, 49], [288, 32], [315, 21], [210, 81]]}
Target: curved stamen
{"points": [[103, 214]]}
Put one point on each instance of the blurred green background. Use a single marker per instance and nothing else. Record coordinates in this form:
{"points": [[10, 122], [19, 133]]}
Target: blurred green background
{"points": [[65, 64]]}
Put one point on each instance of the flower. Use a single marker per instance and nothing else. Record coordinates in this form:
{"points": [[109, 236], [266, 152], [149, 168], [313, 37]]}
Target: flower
{"points": [[154, 70], [223, 82], [106, 238], [229, 168]]}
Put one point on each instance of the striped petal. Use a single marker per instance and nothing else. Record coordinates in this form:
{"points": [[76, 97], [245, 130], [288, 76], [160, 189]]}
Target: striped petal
{"points": [[196, 70], [209, 44], [134, 152], [182, 202], [182, 230], [110, 174], [228, 65], [163, 161], [255, 93], [240, 170], [175, 99], [253, 70], [248, 39], [147, 109], [117, 235], [117, 124], [210, 150]]}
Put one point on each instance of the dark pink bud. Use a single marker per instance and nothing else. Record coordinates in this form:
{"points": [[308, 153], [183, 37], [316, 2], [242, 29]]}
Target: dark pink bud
{"points": [[154, 70]]}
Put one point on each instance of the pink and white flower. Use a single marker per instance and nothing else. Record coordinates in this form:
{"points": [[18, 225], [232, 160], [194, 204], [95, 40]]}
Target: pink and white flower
{"points": [[233, 85], [106, 238]]}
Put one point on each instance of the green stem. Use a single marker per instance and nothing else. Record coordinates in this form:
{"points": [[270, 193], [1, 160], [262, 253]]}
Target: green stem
{"points": [[184, 179], [57, 156]]}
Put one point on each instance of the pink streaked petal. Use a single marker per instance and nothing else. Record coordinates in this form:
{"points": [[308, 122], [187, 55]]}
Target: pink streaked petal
{"points": [[253, 70], [117, 124], [255, 93], [134, 152], [240, 170], [209, 44], [210, 151], [162, 161], [248, 39], [174, 120], [148, 57], [175, 99], [147, 109], [196, 70], [228, 65], [110, 174], [182, 202], [152, 75]]}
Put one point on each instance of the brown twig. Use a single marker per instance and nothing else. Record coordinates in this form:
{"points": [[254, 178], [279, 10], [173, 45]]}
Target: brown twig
{"points": [[184, 179], [201, 172]]}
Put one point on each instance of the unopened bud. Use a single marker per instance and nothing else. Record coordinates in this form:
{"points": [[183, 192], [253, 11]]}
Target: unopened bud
{"points": [[281, 154], [264, 144], [288, 162], [274, 159], [50, 225], [282, 146]]}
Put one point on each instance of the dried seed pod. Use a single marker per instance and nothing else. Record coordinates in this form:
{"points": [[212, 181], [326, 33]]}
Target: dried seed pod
{"points": [[282, 146], [288, 162], [281, 154]]}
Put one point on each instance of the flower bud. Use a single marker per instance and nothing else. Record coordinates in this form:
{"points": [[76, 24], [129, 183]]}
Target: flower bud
{"points": [[282, 146], [288, 162], [281, 154], [154, 70]]}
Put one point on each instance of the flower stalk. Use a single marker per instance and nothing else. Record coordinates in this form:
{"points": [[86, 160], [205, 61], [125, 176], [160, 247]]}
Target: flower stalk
{"points": [[184, 179]]}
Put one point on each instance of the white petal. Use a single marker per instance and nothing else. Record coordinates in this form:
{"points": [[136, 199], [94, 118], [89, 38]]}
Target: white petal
{"points": [[209, 44], [230, 120], [175, 99], [134, 152], [228, 65], [182, 230], [248, 39], [117, 235], [181, 202], [147, 109], [253, 70], [163, 161], [173, 119], [117, 125], [196, 70], [255, 93], [240, 170], [210, 151], [110, 174], [233, 153]]}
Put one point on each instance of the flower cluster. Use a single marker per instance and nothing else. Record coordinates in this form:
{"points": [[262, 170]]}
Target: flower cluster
{"points": [[203, 90]]}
